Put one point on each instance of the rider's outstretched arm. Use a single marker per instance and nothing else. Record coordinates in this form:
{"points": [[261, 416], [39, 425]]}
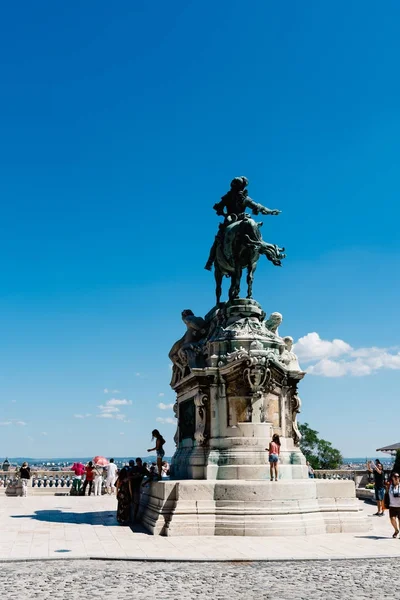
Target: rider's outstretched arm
{"points": [[259, 208]]}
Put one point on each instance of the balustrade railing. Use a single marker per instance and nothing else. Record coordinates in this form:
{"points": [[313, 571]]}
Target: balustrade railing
{"points": [[39, 479], [336, 474]]}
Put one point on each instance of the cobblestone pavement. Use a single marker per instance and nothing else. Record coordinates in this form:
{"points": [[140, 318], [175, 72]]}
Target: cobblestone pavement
{"points": [[308, 580]]}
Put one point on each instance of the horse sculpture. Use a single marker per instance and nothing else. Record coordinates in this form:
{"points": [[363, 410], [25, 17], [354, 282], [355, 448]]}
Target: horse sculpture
{"points": [[240, 249]]}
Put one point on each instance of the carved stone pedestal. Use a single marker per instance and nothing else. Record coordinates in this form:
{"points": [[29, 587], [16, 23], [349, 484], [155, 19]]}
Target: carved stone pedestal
{"points": [[236, 384], [233, 392], [251, 508]]}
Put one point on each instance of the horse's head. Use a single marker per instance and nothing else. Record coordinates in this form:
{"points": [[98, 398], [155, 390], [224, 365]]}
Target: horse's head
{"points": [[273, 252]]}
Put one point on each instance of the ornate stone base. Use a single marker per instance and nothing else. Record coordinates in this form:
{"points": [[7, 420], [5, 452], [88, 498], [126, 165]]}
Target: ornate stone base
{"points": [[242, 456], [236, 386], [251, 508]]}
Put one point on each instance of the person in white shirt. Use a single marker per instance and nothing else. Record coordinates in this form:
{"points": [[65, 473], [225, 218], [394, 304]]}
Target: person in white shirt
{"points": [[98, 479], [111, 478], [394, 503]]}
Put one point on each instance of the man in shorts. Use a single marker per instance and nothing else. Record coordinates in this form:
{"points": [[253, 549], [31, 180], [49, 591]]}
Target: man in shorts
{"points": [[379, 481]]}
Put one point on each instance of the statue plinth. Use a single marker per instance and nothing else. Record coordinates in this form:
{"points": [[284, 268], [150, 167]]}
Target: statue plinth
{"points": [[232, 395], [236, 383]]}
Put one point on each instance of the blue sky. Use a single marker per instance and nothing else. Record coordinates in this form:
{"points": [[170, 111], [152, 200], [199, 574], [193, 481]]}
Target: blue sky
{"points": [[121, 126]]}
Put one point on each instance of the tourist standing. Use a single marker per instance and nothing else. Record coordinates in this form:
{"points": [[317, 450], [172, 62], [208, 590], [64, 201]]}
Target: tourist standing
{"points": [[379, 484], [89, 476], [137, 474], [274, 451], [311, 473], [124, 497], [111, 470], [79, 469], [98, 479], [155, 434], [394, 503], [25, 474]]}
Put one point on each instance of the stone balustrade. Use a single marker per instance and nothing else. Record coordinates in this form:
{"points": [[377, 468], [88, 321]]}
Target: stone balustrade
{"points": [[360, 476], [10, 480], [336, 474]]}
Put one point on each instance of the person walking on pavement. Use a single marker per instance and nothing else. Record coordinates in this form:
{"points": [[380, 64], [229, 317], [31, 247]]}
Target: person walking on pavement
{"points": [[25, 474], [394, 503], [379, 484]]}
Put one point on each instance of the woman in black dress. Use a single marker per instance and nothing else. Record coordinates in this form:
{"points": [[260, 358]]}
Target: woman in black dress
{"points": [[124, 497]]}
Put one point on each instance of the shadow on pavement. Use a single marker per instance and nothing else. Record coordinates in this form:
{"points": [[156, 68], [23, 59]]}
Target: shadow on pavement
{"points": [[373, 537], [104, 517]]}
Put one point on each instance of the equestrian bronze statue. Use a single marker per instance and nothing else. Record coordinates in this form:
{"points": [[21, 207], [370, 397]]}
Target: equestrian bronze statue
{"points": [[238, 244]]}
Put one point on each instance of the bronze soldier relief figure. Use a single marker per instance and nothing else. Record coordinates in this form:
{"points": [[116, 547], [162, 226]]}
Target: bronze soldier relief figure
{"points": [[238, 244]]}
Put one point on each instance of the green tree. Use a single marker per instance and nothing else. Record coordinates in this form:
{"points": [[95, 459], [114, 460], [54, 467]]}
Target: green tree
{"points": [[319, 453]]}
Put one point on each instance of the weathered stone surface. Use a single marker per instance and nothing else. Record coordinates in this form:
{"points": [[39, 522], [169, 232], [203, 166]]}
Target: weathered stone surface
{"points": [[256, 508], [236, 385]]}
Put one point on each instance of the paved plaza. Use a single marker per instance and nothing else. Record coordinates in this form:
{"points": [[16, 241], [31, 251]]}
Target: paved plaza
{"points": [[39, 527]]}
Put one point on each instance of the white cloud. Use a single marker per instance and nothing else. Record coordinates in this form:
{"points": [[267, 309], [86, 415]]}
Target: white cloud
{"points": [[44, 433], [105, 416], [138, 374], [169, 420], [161, 395], [106, 391], [337, 358], [20, 423], [163, 406], [5, 423], [115, 392], [108, 409], [30, 438], [76, 416], [311, 347], [118, 402], [122, 433], [13, 401]]}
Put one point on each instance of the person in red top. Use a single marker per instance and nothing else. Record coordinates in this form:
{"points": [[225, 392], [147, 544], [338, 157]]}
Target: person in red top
{"points": [[89, 475], [79, 470], [274, 451]]}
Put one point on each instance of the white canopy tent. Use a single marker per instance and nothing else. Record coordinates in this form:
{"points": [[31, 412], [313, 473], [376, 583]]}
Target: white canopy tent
{"points": [[391, 449]]}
